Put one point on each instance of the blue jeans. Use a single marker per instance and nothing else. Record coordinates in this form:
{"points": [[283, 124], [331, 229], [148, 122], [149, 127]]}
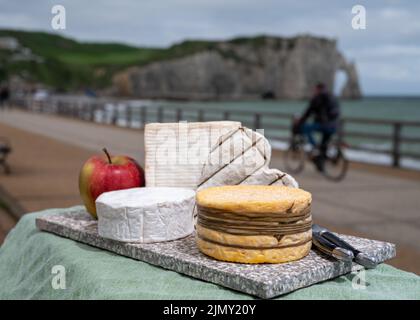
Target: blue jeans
{"points": [[327, 131]]}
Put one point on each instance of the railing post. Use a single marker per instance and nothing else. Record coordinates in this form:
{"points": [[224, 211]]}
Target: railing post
{"points": [[53, 108], [114, 113], [32, 105], [75, 110], [178, 115], [257, 121], [290, 132], [160, 114], [143, 112], [104, 116], [83, 111], [396, 144], [128, 115], [63, 108], [58, 107], [92, 112], [226, 115], [70, 109], [82, 108], [88, 111], [200, 116]]}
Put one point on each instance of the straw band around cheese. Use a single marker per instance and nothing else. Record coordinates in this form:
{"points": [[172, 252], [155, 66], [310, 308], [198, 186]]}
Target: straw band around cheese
{"points": [[263, 224]]}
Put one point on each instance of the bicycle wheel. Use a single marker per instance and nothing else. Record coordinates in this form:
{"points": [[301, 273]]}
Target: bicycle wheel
{"points": [[294, 158], [336, 164]]}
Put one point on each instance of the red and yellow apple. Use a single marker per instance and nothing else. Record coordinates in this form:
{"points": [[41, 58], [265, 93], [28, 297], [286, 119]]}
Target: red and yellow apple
{"points": [[106, 173]]}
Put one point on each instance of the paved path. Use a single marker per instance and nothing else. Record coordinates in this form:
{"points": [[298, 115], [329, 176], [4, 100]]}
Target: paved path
{"points": [[379, 203]]}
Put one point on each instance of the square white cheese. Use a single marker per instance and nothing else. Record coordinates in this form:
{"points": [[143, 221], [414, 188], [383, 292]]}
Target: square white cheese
{"points": [[176, 152]]}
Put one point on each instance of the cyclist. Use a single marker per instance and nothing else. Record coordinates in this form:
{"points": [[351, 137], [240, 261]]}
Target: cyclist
{"points": [[325, 110]]}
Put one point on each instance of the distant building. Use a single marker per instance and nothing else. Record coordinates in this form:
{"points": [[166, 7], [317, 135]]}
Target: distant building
{"points": [[9, 43]]}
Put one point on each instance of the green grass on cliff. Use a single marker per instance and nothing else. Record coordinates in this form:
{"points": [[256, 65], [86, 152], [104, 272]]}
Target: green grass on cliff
{"points": [[67, 64], [70, 51]]}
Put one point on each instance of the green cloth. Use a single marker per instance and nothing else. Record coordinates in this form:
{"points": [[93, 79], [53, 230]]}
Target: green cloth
{"points": [[28, 255]]}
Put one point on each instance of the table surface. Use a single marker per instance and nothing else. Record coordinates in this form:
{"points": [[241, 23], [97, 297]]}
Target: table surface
{"points": [[28, 258]]}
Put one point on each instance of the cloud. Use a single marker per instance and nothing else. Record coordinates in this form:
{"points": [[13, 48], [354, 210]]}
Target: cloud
{"points": [[385, 52], [393, 13]]}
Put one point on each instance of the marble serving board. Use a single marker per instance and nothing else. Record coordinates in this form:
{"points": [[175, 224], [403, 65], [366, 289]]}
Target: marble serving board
{"points": [[261, 280]]}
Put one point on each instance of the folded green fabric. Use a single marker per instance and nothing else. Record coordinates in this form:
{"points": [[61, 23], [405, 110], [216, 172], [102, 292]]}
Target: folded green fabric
{"points": [[28, 256]]}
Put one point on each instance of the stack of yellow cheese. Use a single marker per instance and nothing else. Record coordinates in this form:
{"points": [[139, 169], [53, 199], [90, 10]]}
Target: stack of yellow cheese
{"points": [[254, 224]]}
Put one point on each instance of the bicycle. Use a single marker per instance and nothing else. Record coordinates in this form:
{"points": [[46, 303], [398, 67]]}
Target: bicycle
{"points": [[335, 163]]}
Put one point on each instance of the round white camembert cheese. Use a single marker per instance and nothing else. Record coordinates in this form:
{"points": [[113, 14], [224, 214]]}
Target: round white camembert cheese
{"points": [[146, 214]]}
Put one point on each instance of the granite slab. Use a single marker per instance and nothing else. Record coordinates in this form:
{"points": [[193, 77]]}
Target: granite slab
{"points": [[263, 280]]}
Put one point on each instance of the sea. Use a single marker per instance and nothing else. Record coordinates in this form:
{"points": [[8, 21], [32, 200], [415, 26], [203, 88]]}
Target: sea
{"points": [[377, 108]]}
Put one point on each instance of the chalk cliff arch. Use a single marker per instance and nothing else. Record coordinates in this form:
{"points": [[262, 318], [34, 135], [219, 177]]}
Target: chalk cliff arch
{"points": [[243, 68]]}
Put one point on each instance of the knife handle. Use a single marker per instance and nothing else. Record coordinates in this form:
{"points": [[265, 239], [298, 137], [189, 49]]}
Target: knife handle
{"points": [[342, 254], [339, 242], [331, 249]]}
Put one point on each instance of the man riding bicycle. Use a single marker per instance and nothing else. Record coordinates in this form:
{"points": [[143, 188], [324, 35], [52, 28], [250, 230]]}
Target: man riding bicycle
{"points": [[325, 110]]}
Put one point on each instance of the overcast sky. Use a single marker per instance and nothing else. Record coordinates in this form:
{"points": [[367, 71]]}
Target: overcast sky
{"points": [[387, 52]]}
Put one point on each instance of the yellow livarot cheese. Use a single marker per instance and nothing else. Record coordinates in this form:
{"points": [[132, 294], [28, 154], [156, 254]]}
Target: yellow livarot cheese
{"points": [[252, 255], [255, 199], [254, 241], [254, 224]]}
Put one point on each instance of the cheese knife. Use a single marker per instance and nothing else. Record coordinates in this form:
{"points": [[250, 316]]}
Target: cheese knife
{"points": [[330, 249], [358, 256]]}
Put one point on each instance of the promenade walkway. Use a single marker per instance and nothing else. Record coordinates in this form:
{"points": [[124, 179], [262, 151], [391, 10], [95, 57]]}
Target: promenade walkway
{"points": [[375, 202]]}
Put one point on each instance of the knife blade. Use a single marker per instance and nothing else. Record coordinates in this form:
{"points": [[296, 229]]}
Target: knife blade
{"points": [[359, 257]]}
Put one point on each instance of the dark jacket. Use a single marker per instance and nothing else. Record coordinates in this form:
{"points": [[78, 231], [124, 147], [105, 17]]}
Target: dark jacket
{"points": [[324, 108]]}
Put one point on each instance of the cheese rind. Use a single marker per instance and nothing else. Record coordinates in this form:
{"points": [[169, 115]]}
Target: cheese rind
{"points": [[242, 156], [256, 199], [146, 214]]}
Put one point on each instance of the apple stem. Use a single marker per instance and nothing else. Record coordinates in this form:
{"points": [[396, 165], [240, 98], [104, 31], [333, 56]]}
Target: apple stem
{"points": [[107, 155]]}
